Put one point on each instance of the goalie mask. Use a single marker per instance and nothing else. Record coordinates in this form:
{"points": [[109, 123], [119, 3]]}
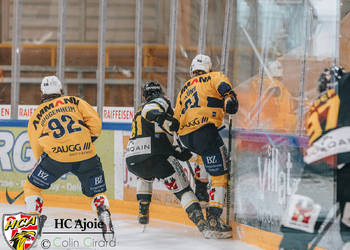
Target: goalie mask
{"points": [[152, 90], [200, 63], [330, 77]]}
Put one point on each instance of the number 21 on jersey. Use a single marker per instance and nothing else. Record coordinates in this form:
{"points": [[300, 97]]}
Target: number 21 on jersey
{"points": [[191, 102]]}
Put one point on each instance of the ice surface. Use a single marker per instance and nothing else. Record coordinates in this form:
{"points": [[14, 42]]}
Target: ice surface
{"points": [[158, 234]]}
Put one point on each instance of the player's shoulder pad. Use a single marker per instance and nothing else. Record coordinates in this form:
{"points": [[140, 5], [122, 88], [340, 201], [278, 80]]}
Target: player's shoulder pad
{"points": [[162, 102], [217, 74], [218, 77]]}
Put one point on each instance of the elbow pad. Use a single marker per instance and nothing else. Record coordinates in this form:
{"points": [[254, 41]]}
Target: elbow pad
{"points": [[156, 116], [231, 105]]}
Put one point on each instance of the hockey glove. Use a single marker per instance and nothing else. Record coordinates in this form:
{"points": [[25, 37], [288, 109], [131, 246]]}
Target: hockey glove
{"points": [[160, 119], [174, 124], [231, 105], [184, 155]]}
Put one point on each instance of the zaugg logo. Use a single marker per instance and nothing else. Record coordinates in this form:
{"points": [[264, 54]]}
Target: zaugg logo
{"points": [[20, 230], [195, 122], [71, 148]]}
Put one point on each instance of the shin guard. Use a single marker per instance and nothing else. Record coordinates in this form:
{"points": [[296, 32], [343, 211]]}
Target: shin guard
{"points": [[33, 199], [99, 200], [217, 192]]}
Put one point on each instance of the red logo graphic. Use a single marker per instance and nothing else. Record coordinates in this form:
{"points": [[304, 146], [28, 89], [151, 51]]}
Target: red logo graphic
{"points": [[303, 213], [99, 200], [59, 102], [194, 81], [171, 185], [20, 230], [38, 205], [212, 194]]}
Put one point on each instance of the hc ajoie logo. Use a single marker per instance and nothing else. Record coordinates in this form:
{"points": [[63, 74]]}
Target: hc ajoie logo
{"points": [[20, 230], [43, 175], [81, 224]]}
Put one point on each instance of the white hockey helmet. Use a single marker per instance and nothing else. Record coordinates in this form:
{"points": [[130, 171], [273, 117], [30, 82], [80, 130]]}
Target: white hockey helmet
{"points": [[51, 85], [200, 62]]}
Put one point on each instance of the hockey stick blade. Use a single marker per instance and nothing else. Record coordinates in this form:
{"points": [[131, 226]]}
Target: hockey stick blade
{"points": [[10, 200]]}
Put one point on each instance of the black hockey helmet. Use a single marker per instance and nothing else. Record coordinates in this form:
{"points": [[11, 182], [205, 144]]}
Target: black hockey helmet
{"points": [[330, 77], [151, 90]]}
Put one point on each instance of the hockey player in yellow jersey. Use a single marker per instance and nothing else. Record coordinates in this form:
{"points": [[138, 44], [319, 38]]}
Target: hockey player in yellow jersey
{"points": [[200, 108], [61, 132]]}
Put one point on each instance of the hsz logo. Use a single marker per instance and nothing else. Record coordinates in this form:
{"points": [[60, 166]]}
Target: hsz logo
{"points": [[171, 184], [20, 230]]}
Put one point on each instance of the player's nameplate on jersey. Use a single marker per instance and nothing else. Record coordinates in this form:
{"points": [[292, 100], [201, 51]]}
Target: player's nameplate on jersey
{"points": [[138, 146]]}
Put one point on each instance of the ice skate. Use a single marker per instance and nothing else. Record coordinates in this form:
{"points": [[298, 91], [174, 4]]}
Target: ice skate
{"points": [[218, 229], [105, 217], [195, 214], [42, 219]]}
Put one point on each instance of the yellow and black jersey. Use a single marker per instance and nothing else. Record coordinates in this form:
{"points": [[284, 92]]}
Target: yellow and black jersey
{"points": [[328, 124], [143, 124], [323, 115], [62, 128], [148, 138], [201, 101]]}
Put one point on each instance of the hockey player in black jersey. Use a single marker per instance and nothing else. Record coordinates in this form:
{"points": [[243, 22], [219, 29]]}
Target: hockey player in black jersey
{"points": [[328, 128], [151, 155]]}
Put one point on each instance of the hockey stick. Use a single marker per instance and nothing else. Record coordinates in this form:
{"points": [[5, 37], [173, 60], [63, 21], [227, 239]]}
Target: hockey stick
{"points": [[323, 230], [10, 200], [228, 198]]}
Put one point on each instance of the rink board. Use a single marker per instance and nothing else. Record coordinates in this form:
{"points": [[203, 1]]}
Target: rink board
{"points": [[267, 171]]}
